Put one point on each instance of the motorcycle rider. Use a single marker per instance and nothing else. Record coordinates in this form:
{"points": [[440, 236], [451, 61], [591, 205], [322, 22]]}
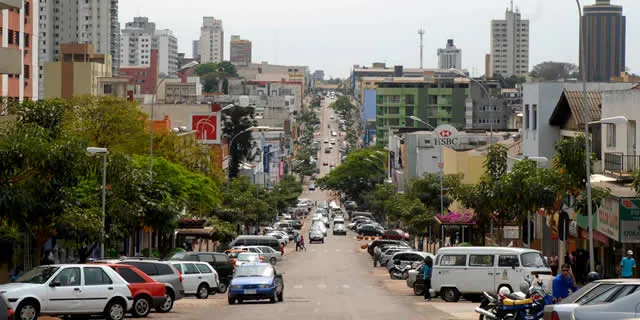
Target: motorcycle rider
{"points": [[427, 269], [562, 283]]}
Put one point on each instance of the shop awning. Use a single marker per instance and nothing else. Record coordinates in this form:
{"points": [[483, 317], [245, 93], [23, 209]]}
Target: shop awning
{"points": [[206, 232], [456, 218]]}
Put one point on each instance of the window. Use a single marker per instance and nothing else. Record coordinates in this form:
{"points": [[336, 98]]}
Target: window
{"points": [[526, 116], [484, 260], [164, 269], [10, 37], [189, 268], [130, 275], [26, 71], [508, 261], [611, 135], [408, 111], [68, 277], [94, 276], [409, 99], [534, 116], [596, 292], [206, 257], [453, 260], [148, 268], [203, 268]]}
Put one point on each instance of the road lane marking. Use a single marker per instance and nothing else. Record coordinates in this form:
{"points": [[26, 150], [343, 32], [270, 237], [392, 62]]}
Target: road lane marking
{"points": [[297, 286], [338, 250], [322, 286], [345, 286]]}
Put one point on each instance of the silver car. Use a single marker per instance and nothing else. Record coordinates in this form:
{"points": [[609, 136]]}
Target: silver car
{"points": [[316, 235], [617, 304], [594, 292], [268, 253], [164, 272]]}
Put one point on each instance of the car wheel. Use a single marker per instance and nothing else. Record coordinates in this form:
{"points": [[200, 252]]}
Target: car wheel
{"points": [[231, 300], [281, 296], [28, 310], [274, 299], [141, 307], [222, 287], [115, 310], [418, 290], [273, 260], [169, 297], [450, 295], [203, 291]]}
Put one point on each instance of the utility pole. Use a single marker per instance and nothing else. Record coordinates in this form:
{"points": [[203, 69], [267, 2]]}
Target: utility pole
{"points": [[421, 35]]}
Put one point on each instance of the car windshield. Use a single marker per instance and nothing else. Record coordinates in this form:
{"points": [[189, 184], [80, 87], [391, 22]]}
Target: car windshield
{"points": [[248, 257], [177, 256], [38, 275], [254, 271], [533, 260]]}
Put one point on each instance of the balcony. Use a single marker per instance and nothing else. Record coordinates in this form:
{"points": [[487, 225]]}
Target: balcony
{"points": [[621, 166], [10, 4], [10, 61]]}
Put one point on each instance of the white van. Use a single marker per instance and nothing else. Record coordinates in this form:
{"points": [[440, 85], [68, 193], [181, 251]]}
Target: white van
{"points": [[472, 270]]}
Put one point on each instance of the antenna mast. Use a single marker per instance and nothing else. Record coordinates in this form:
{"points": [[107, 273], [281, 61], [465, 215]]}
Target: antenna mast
{"points": [[421, 35]]}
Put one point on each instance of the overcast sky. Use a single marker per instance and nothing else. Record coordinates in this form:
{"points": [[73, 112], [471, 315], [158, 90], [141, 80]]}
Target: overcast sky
{"points": [[333, 35]]}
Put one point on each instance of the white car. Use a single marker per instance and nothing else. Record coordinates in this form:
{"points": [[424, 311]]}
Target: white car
{"points": [[247, 257], [198, 278], [73, 289], [268, 253]]}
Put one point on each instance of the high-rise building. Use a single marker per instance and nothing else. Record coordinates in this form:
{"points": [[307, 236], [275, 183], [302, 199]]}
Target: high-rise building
{"points": [[140, 37], [240, 51], [196, 49], [18, 51], [72, 21], [167, 45], [604, 33], [450, 57], [510, 44], [211, 43]]}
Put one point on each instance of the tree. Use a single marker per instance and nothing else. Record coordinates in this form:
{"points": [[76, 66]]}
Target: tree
{"points": [[285, 194], [526, 189], [213, 75], [427, 189], [509, 82], [552, 71], [239, 120]]}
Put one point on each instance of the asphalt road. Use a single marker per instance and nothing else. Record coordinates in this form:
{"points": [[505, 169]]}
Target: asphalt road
{"points": [[334, 280]]}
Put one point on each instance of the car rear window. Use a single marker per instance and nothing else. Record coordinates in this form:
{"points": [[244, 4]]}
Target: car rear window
{"points": [[220, 259], [203, 268], [164, 269], [130, 275], [574, 296], [146, 267], [596, 292]]}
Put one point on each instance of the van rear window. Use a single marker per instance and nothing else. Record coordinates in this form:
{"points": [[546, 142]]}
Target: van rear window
{"points": [[453, 260]]}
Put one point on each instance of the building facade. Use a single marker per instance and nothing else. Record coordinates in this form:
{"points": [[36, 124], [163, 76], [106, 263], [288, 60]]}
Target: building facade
{"points": [[72, 21], [488, 113], [136, 42], [450, 57], [195, 49], [145, 77], [211, 43], [167, 45], [510, 45], [18, 51], [604, 34], [76, 72], [240, 51]]}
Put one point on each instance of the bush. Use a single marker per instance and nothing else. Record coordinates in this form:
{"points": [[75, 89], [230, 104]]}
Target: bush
{"points": [[145, 252]]}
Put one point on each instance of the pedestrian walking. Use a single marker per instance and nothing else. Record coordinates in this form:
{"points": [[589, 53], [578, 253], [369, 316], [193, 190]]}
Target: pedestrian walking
{"points": [[297, 242], [282, 249], [627, 264], [302, 247], [427, 269]]}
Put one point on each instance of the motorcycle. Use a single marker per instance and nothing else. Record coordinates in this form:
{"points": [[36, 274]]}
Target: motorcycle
{"points": [[525, 305]]}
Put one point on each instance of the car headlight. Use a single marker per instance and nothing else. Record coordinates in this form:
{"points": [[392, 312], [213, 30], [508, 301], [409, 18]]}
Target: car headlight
{"points": [[265, 286], [236, 286]]}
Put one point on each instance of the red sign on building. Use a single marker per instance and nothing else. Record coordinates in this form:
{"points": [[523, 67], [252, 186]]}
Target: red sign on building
{"points": [[207, 126]]}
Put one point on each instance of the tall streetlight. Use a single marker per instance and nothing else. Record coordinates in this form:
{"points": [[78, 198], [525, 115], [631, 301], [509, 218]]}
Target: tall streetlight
{"points": [[587, 146], [93, 151], [414, 118], [153, 106], [486, 91]]}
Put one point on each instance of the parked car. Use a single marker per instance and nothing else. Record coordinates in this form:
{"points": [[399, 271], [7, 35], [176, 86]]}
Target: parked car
{"points": [[270, 255], [218, 260], [612, 305], [164, 272], [407, 256], [395, 234], [248, 257], [233, 255], [147, 293], [339, 229], [369, 230], [593, 291], [198, 278], [5, 310], [256, 281], [371, 247], [73, 289]]}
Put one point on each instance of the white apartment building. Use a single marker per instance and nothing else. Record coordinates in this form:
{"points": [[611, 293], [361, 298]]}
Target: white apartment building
{"points": [[510, 44], [167, 45], [195, 49], [73, 21], [211, 43], [137, 40], [450, 57]]}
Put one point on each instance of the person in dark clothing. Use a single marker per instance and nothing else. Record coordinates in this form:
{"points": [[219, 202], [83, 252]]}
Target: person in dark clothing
{"points": [[427, 269]]}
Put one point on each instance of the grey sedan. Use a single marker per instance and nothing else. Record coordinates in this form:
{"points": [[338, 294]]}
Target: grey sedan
{"points": [[617, 304]]}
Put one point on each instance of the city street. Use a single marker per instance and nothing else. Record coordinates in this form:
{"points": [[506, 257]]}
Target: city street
{"points": [[334, 280]]}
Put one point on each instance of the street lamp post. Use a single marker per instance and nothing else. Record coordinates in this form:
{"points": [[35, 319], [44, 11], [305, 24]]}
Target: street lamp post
{"points": [[441, 164], [153, 106], [103, 151], [587, 146]]}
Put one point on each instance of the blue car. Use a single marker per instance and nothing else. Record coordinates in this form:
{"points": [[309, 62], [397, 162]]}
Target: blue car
{"points": [[256, 281]]}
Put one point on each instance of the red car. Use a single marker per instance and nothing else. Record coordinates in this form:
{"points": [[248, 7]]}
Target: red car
{"points": [[147, 293], [395, 234]]}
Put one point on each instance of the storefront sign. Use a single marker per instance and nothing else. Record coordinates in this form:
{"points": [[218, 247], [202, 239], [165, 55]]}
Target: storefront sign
{"points": [[446, 135], [630, 220], [573, 228], [609, 219]]}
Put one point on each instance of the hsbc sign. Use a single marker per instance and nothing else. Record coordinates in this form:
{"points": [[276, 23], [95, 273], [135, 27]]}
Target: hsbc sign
{"points": [[446, 135]]}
